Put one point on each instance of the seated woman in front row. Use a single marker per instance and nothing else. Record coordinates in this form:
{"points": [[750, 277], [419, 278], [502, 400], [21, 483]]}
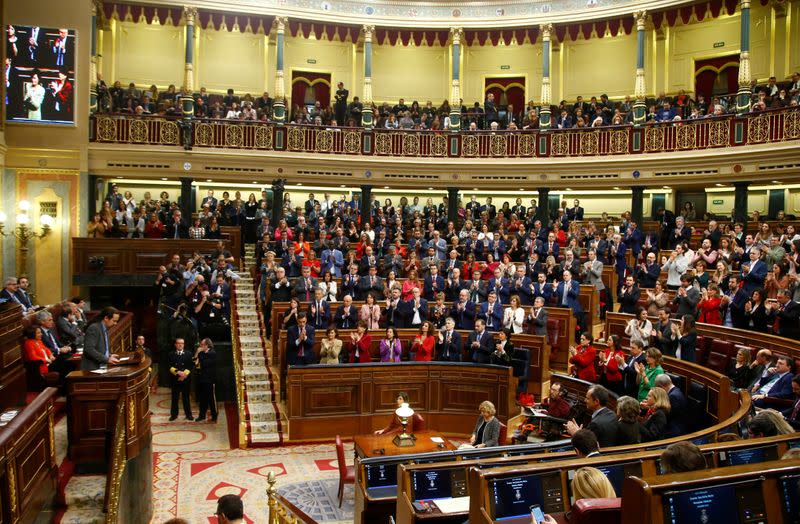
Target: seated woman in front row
{"points": [[487, 428], [589, 483], [415, 423]]}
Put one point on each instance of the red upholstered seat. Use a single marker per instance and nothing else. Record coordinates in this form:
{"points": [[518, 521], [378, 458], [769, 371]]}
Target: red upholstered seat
{"points": [[701, 351], [718, 362], [347, 474], [552, 333], [597, 511], [417, 422], [501, 440], [724, 347]]}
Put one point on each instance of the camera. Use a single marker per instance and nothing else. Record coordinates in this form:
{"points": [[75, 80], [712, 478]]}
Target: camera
{"points": [[97, 263]]}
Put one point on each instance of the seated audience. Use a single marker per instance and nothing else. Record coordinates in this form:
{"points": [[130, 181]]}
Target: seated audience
{"points": [[629, 432], [682, 457], [603, 422], [657, 407]]}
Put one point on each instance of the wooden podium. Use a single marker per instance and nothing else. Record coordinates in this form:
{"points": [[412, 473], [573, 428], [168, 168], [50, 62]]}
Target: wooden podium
{"points": [[108, 424]]}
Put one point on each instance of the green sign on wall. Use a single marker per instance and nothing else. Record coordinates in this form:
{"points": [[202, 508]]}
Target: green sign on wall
{"points": [[718, 202]]}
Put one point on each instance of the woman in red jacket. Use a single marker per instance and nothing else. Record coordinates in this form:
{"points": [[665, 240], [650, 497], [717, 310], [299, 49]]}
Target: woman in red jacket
{"points": [[34, 350], [708, 307], [611, 376], [422, 346], [583, 358], [360, 342]]}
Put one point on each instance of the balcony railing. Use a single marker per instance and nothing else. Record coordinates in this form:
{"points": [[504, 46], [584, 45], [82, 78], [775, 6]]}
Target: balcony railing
{"points": [[707, 133]]}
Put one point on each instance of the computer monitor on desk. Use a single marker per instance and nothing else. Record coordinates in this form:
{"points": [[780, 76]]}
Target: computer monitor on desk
{"points": [[441, 483], [511, 497], [616, 474], [736, 457], [380, 479], [732, 503], [790, 498]]}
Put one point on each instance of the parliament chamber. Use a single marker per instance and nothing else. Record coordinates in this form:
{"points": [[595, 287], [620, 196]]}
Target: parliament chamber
{"points": [[395, 261]]}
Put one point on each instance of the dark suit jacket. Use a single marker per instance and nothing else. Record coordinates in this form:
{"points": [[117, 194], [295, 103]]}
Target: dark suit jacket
{"points": [[654, 427], [781, 389], [449, 351], [629, 375], [789, 321], [94, 348], [293, 357], [345, 321], [496, 315], [604, 426], [182, 362], [24, 298], [465, 319], [183, 229], [480, 355], [539, 322], [678, 418], [627, 301], [408, 311], [319, 319]]}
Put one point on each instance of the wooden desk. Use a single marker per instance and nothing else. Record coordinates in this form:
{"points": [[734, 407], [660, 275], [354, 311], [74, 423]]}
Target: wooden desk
{"points": [[12, 370], [367, 446]]}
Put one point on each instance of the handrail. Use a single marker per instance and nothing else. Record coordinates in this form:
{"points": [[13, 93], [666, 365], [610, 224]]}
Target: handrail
{"points": [[237, 371], [769, 126], [117, 466], [280, 510]]}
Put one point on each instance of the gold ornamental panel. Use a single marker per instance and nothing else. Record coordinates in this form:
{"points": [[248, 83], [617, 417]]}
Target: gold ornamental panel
{"points": [[469, 145], [383, 143], [106, 129], [168, 134], [234, 135], [654, 139], [137, 131], [131, 415], [686, 136], [719, 133], [410, 144], [527, 145], [324, 141], [203, 135], [791, 125], [438, 145], [498, 144], [619, 141], [758, 129], [560, 144], [352, 142], [263, 138], [589, 143], [297, 139]]}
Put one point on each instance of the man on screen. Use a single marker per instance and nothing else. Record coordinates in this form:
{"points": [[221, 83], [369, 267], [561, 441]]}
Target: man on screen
{"points": [[62, 49]]}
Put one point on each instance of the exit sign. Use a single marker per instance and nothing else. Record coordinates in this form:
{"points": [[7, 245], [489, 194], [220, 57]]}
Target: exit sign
{"points": [[505, 67], [718, 202], [719, 44], [311, 61]]}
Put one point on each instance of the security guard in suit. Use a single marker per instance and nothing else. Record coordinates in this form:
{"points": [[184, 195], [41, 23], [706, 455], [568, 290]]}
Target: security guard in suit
{"points": [[205, 359], [180, 369]]}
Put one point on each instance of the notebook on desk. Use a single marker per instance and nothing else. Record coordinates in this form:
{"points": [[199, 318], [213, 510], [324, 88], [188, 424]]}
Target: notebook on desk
{"points": [[453, 505]]}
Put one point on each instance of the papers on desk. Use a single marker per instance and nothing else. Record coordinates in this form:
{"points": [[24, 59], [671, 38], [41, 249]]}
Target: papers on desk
{"points": [[438, 440], [123, 359], [99, 371], [453, 505]]}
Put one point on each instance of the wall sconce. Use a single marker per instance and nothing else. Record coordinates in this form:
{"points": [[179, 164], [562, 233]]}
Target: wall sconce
{"points": [[24, 233]]}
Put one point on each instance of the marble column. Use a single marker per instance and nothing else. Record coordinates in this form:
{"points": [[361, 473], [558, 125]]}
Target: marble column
{"points": [[187, 206], [544, 112], [743, 95], [366, 204], [93, 63], [455, 93], [640, 88], [367, 116], [278, 188], [187, 102], [452, 205], [740, 203], [543, 211], [279, 104], [637, 204]]}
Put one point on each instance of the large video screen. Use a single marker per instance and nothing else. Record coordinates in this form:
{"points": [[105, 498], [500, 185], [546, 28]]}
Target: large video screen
{"points": [[40, 75]]}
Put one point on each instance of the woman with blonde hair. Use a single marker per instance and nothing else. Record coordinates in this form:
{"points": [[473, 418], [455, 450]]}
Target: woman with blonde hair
{"points": [[487, 428], [514, 315], [655, 420], [588, 483], [776, 417]]}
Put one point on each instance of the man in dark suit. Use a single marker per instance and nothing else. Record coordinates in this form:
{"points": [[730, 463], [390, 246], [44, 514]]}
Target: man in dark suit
{"points": [[346, 314], [206, 374], [448, 343], [371, 284], [754, 272], [477, 288], [792, 413], [96, 349], [499, 284], [680, 234], [340, 104], [463, 311], [180, 367], [177, 228], [453, 286], [776, 384], [733, 304], [538, 317], [480, 343], [305, 285], [678, 417], [541, 288], [667, 218], [300, 344], [662, 337], [210, 200], [687, 297], [576, 211], [785, 315], [9, 293], [434, 284], [415, 311], [394, 309], [280, 287], [604, 421], [292, 263], [50, 340], [22, 293], [627, 367], [489, 110], [319, 312], [567, 292], [628, 296], [520, 285], [491, 312], [648, 272]]}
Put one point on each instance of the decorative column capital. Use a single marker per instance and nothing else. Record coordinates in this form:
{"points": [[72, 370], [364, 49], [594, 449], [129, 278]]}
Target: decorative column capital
{"points": [[368, 31], [280, 23], [641, 19], [456, 33], [547, 30], [744, 4], [190, 14], [94, 9]]}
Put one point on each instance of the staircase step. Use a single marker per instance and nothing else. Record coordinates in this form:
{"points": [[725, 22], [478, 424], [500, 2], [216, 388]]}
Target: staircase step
{"points": [[258, 385], [259, 397], [263, 426]]}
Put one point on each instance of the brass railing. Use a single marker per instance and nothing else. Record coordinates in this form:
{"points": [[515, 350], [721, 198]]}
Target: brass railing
{"points": [[117, 467], [237, 372], [281, 511], [705, 133]]}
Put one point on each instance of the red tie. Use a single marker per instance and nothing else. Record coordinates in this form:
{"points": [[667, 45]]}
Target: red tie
{"points": [[300, 352]]}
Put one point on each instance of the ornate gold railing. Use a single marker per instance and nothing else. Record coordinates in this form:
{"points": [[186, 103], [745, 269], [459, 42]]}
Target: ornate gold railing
{"points": [[237, 371], [281, 511], [118, 460], [725, 131]]}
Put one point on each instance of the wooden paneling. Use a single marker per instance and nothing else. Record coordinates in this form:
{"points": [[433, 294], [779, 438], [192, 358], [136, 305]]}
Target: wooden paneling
{"points": [[323, 401], [12, 370]]}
